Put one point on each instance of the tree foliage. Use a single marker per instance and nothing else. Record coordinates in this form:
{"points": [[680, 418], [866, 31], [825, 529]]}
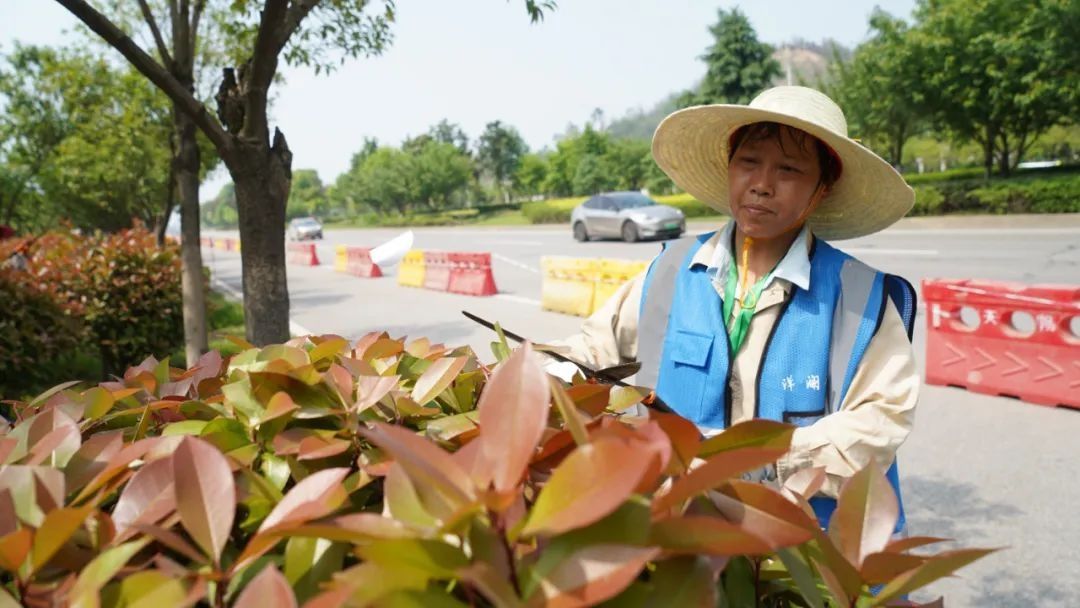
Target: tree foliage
{"points": [[737, 65], [498, 153]]}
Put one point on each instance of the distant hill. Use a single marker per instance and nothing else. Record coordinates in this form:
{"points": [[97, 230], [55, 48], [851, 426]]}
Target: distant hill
{"points": [[801, 62]]}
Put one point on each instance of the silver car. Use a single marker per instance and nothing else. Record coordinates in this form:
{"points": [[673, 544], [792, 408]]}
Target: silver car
{"points": [[303, 228], [631, 216]]}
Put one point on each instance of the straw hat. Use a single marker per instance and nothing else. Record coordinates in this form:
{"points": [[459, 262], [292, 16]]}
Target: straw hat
{"points": [[691, 146]]}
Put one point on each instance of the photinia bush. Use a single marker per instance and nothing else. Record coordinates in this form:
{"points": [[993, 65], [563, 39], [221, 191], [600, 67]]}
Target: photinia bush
{"points": [[394, 473]]}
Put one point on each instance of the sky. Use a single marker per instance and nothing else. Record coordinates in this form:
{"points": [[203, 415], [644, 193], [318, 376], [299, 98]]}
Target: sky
{"points": [[476, 61]]}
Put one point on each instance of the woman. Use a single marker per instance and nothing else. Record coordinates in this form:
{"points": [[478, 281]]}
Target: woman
{"points": [[764, 318]]}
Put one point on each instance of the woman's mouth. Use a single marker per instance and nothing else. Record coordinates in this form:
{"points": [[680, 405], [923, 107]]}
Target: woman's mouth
{"points": [[756, 210]]}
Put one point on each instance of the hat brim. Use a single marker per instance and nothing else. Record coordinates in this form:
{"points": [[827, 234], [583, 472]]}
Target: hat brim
{"points": [[691, 147]]}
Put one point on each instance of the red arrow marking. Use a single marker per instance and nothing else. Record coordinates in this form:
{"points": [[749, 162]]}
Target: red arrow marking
{"points": [[1020, 365], [989, 362], [959, 355], [1048, 363], [1077, 382]]}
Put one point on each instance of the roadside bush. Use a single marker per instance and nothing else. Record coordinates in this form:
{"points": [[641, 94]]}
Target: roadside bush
{"points": [[554, 211], [690, 206], [38, 334], [389, 473], [928, 200], [122, 287]]}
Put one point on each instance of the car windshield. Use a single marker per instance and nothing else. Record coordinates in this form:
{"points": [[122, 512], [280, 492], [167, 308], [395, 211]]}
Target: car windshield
{"points": [[307, 221], [630, 200]]}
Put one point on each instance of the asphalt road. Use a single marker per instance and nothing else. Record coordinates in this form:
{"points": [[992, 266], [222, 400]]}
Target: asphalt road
{"points": [[987, 471]]}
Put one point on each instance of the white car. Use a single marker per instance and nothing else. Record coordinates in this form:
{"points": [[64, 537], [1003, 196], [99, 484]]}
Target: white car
{"points": [[631, 216], [303, 228]]}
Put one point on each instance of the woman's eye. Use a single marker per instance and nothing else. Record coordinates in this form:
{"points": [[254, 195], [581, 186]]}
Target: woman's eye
{"points": [[789, 169]]}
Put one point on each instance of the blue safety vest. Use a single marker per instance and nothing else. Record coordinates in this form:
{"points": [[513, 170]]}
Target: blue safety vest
{"points": [[683, 342]]}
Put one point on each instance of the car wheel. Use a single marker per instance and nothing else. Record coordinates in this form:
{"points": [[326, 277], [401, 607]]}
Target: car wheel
{"points": [[629, 232], [580, 233]]}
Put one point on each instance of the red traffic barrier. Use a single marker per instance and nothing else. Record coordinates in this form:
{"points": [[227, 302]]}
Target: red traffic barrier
{"points": [[437, 270], [470, 274], [358, 262], [303, 254], [206, 241], [1006, 339]]}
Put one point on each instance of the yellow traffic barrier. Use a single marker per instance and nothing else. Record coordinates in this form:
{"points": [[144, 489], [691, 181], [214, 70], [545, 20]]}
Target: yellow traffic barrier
{"points": [[341, 258], [612, 275], [411, 271], [568, 284], [222, 244]]}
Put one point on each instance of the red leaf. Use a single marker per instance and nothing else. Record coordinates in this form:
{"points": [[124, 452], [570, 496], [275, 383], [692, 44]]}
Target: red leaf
{"points": [[934, 568], [684, 436], [92, 457], [147, 498], [865, 516], [316, 495], [592, 398], [705, 534], [268, 589], [716, 471], [878, 568], [436, 378], [14, 548], [757, 433], [594, 574], [764, 513], [426, 463], [205, 494], [906, 544], [370, 389], [513, 414], [592, 482]]}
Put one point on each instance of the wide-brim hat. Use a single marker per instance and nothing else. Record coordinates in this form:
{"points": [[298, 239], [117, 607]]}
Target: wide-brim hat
{"points": [[691, 146]]}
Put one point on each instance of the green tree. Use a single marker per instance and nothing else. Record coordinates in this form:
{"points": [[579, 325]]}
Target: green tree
{"points": [[220, 211], [530, 175], [307, 195], [498, 153], [450, 133], [738, 65], [441, 170], [995, 73], [875, 88], [317, 33]]}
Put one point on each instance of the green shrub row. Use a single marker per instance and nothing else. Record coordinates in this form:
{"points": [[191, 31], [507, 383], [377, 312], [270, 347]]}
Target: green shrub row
{"points": [[1056, 194]]}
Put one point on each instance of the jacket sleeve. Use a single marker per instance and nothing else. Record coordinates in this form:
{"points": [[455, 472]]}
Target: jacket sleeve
{"points": [[875, 417], [609, 336]]}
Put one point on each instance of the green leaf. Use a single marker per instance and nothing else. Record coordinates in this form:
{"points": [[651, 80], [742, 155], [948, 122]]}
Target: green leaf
{"points": [[205, 494], [491, 584], [151, 589], [589, 484], [327, 349], [57, 528], [96, 403], [683, 581], [101, 570], [739, 584], [622, 397], [436, 558], [275, 469], [240, 397], [426, 463], [513, 415], [572, 420], [803, 575], [758, 433], [226, 434], [184, 427], [403, 500]]}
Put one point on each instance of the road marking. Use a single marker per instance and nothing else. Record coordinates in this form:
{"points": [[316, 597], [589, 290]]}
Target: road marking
{"points": [[513, 262], [294, 328], [516, 243], [978, 231], [883, 251], [518, 299]]}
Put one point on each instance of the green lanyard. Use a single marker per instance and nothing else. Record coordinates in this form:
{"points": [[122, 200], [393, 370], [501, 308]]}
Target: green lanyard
{"points": [[737, 326]]}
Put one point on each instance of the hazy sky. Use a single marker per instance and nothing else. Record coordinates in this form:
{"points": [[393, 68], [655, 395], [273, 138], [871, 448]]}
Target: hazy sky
{"points": [[474, 61]]}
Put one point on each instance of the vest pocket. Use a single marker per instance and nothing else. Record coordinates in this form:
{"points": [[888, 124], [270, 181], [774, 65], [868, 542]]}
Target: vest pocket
{"points": [[803, 418], [689, 371]]}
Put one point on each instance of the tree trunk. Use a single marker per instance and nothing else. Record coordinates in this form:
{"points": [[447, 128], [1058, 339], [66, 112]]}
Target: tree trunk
{"points": [[988, 155], [170, 203], [1003, 158], [186, 169], [262, 176]]}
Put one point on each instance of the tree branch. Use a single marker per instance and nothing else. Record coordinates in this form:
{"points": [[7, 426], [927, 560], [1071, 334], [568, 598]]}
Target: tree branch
{"points": [[199, 6], [153, 71], [267, 46], [163, 50], [297, 12]]}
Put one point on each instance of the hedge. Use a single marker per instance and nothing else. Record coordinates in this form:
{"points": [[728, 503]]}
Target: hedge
{"points": [[1057, 194]]}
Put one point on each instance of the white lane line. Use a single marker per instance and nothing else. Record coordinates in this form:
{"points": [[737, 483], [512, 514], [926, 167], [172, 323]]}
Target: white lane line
{"points": [[521, 243], [911, 231], [513, 262], [518, 299], [294, 328], [884, 251]]}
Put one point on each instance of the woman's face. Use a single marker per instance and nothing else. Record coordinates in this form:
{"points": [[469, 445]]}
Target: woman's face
{"points": [[770, 183]]}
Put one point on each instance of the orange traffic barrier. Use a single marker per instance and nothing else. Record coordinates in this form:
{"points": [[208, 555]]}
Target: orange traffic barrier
{"points": [[470, 274], [303, 254], [1006, 339], [437, 270], [358, 262]]}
